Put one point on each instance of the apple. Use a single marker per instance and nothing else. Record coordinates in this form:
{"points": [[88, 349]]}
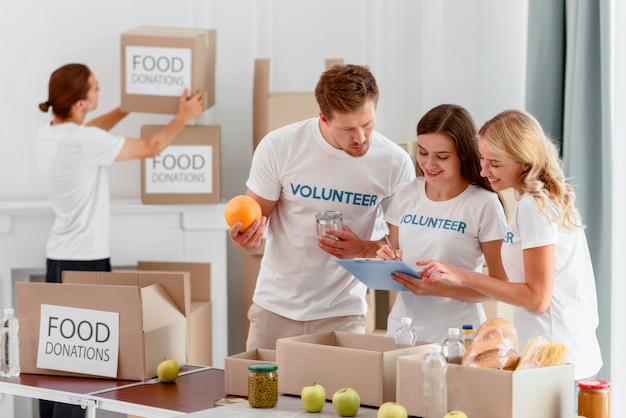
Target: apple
{"points": [[313, 397], [346, 402], [167, 371], [392, 410], [455, 414]]}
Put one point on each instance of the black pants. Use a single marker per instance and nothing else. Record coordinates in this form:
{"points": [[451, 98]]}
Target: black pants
{"points": [[54, 270]]}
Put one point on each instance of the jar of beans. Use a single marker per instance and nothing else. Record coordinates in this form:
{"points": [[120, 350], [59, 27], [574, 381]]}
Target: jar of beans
{"points": [[262, 385]]}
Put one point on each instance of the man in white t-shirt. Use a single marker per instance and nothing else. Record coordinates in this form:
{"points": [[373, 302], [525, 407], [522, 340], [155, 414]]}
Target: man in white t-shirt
{"points": [[334, 162]]}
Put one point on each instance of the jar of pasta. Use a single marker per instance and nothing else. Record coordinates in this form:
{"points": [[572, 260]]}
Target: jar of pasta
{"points": [[594, 399], [262, 385]]}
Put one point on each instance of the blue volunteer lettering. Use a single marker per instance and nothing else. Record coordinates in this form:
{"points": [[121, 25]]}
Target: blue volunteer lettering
{"points": [[435, 223], [333, 195]]}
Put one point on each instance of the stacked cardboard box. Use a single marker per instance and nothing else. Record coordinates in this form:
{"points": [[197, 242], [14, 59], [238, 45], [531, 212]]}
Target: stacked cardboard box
{"points": [[158, 63]]}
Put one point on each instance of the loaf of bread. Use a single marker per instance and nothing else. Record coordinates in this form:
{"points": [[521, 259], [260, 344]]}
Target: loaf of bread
{"points": [[494, 346]]}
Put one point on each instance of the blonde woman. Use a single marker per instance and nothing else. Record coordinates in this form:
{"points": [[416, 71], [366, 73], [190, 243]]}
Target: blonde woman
{"points": [[545, 252]]}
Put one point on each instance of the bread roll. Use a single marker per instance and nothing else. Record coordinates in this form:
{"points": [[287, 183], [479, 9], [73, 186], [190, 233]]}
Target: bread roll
{"points": [[494, 346]]}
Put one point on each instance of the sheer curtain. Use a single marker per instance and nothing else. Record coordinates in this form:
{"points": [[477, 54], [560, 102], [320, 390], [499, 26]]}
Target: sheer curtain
{"points": [[618, 310]]}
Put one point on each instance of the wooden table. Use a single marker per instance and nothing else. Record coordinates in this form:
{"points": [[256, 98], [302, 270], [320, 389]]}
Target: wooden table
{"points": [[195, 389]]}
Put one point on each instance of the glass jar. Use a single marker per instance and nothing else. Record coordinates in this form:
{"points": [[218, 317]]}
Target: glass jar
{"points": [[262, 385], [594, 399], [328, 219]]}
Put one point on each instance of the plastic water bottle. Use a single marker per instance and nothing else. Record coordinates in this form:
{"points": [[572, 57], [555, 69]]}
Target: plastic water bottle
{"points": [[453, 348], [405, 336], [434, 388], [468, 334], [10, 350]]}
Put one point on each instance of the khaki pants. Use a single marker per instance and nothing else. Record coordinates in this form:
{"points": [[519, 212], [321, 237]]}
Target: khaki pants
{"points": [[266, 327]]}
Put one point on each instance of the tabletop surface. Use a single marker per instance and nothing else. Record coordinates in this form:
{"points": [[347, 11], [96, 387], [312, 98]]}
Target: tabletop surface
{"points": [[194, 391], [288, 406]]}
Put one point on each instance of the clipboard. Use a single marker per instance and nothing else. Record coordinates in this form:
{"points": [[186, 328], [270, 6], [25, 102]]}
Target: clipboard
{"points": [[376, 273]]}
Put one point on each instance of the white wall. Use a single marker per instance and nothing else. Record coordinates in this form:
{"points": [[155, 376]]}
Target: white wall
{"points": [[423, 53]]}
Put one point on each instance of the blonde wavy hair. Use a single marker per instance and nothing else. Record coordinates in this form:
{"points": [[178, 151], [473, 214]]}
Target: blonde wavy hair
{"points": [[517, 135]]}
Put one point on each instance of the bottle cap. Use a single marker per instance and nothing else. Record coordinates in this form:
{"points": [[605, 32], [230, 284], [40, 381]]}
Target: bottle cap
{"points": [[466, 326], [406, 320], [434, 349], [453, 332], [9, 311]]}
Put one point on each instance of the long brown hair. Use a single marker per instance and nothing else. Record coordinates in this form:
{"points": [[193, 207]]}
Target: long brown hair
{"points": [[455, 122], [68, 84]]}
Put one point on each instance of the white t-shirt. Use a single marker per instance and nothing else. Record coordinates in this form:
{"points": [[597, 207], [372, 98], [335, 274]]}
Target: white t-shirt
{"points": [[573, 314], [73, 160], [296, 167], [449, 231]]}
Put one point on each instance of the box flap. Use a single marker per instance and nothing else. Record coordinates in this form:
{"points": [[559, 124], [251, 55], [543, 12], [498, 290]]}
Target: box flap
{"points": [[199, 275], [158, 308], [165, 329], [176, 284]]}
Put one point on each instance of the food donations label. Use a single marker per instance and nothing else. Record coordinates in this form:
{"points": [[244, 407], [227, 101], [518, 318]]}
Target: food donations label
{"points": [[78, 340], [157, 71], [181, 169]]}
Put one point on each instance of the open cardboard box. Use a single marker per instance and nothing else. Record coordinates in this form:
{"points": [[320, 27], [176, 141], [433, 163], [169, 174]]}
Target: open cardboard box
{"points": [[364, 362], [545, 392], [199, 316], [151, 325], [236, 369]]}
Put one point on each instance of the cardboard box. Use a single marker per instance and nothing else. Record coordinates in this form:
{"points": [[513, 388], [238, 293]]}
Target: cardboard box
{"points": [[199, 318], [236, 369], [337, 359], [272, 110], [159, 62], [151, 325], [188, 171], [546, 392]]}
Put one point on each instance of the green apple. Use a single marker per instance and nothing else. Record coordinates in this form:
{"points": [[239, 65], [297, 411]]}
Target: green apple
{"points": [[313, 397], [392, 410], [167, 371], [455, 414], [346, 402]]}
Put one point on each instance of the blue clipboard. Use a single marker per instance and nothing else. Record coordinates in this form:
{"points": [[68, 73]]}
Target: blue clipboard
{"points": [[376, 273]]}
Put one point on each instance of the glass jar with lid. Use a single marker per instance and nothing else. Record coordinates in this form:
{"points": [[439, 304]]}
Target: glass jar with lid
{"points": [[328, 219], [594, 399], [262, 385]]}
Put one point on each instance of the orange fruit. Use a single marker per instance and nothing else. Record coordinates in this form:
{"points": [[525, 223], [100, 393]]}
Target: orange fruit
{"points": [[242, 208]]}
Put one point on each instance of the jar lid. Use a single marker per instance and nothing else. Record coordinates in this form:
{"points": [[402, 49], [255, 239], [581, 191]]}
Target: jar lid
{"points": [[328, 216], [466, 326], [594, 384], [262, 367]]}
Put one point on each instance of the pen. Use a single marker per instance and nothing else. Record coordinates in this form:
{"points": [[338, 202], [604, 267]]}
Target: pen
{"points": [[395, 257]]}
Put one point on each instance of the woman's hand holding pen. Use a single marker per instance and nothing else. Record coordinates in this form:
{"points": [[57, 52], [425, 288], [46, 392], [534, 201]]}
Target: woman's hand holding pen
{"points": [[388, 252]]}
